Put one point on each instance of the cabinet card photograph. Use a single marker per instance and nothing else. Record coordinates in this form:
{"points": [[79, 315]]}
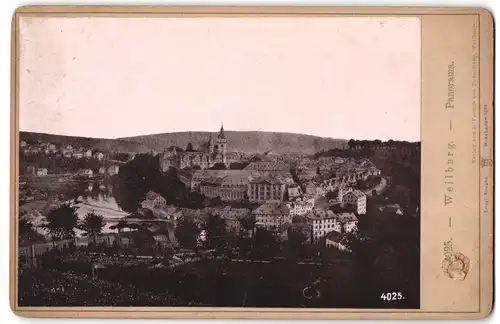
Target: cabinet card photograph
{"points": [[228, 162]]}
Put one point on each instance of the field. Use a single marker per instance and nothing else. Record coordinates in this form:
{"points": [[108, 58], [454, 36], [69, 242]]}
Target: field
{"points": [[208, 282]]}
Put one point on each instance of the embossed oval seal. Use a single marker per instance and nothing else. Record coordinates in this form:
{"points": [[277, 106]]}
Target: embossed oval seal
{"points": [[456, 266]]}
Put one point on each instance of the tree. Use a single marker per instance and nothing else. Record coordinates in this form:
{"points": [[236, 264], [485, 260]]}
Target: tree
{"points": [[144, 241], [195, 200], [143, 213], [266, 242], [218, 166], [247, 224], [186, 232], [92, 224], [216, 201], [27, 233], [62, 222], [189, 147], [294, 243], [142, 174], [216, 231], [25, 226]]}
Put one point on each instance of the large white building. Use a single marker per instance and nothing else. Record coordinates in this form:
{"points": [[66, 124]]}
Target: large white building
{"points": [[266, 189], [273, 216], [355, 198], [323, 222], [300, 207]]}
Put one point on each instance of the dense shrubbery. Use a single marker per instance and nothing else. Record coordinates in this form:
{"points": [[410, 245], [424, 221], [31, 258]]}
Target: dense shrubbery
{"points": [[54, 288]]}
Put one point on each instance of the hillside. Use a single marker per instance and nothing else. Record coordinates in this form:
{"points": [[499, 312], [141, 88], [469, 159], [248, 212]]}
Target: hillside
{"points": [[248, 142], [109, 145]]}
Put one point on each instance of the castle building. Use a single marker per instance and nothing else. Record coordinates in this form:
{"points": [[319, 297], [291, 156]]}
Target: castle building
{"points": [[209, 154]]}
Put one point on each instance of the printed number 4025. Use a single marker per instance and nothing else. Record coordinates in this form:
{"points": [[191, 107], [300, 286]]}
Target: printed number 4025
{"points": [[392, 296]]}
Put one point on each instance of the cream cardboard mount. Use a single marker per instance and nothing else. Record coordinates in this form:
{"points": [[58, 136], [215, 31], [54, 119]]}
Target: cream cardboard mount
{"points": [[252, 162]]}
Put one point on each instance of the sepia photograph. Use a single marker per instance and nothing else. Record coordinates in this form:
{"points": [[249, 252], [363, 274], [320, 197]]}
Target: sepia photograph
{"points": [[260, 162]]}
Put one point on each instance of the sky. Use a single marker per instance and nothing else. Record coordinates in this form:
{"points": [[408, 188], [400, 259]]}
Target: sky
{"points": [[339, 77]]}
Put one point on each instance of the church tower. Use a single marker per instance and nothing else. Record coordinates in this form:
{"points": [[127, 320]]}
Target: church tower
{"points": [[221, 145], [210, 145]]}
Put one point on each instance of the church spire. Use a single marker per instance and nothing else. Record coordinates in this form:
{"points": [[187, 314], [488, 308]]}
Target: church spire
{"points": [[221, 133]]}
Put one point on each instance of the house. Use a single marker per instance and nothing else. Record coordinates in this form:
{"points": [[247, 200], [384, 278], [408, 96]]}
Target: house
{"points": [[114, 169], [354, 197], [373, 171], [87, 153], [153, 200], [300, 207], [266, 188], [41, 172], [394, 209], [77, 155], [315, 190], [335, 240], [294, 192], [263, 166], [98, 156], [102, 170], [31, 169], [348, 221], [51, 147], [211, 187], [200, 176], [86, 173], [231, 187], [323, 222], [272, 215], [67, 153]]}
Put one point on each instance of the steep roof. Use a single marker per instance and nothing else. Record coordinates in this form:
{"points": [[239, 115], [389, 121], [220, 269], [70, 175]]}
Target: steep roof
{"points": [[267, 179], [272, 208], [212, 181], [236, 179], [267, 166], [151, 195], [356, 192], [334, 236], [347, 217], [201, 174], [321, 214]]}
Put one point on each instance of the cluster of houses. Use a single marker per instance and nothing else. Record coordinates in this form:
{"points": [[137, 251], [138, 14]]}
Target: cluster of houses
{"points": [[317, 220], [89, 173], [334, 173], [67, 151], [257, 182]]}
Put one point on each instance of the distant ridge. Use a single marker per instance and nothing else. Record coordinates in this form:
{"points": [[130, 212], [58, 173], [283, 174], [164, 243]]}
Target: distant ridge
{"points": [[238, 141], [244, 141]]}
